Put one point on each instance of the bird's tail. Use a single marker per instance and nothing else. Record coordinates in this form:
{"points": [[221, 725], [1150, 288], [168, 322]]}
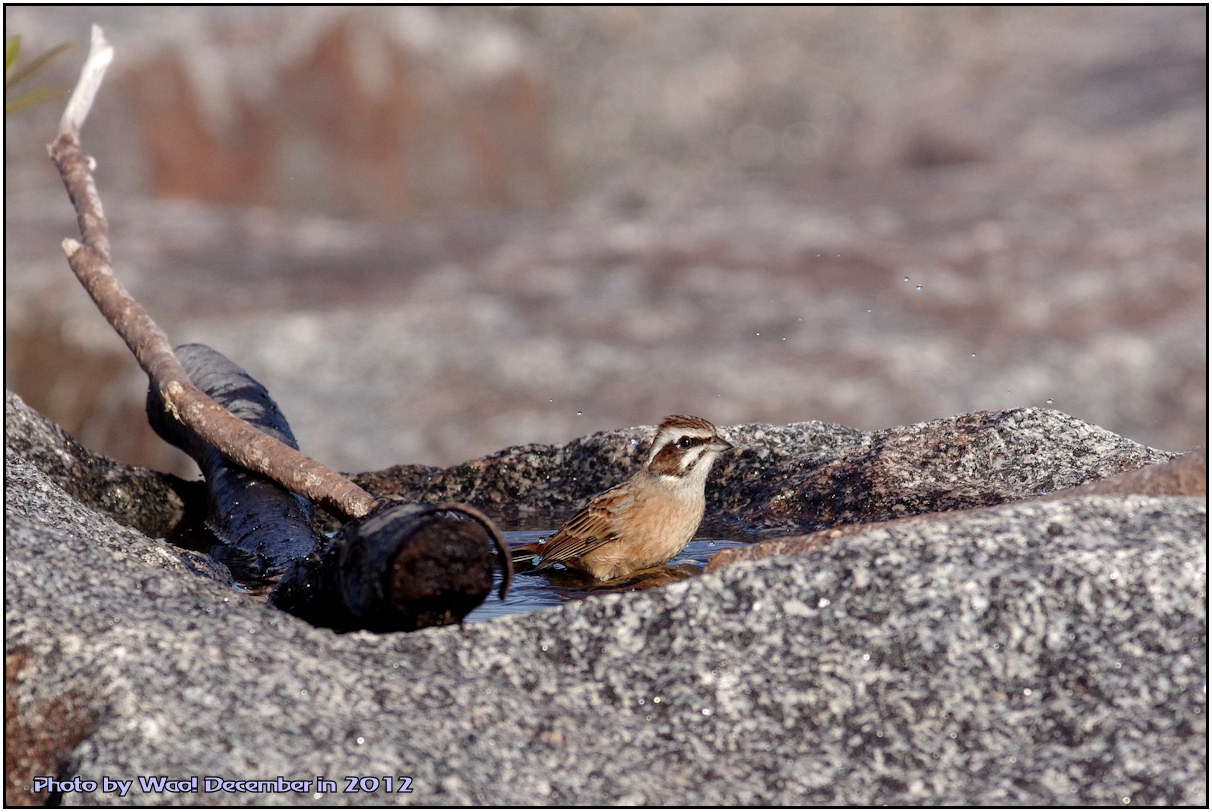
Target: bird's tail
{"points": [[526, 556]]}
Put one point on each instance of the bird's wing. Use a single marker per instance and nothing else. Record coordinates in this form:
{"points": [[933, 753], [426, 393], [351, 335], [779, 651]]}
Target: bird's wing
{"points": [[588, 530]]}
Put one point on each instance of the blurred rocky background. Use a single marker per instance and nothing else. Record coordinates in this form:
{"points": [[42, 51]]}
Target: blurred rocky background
{"points": [[436, 232]]}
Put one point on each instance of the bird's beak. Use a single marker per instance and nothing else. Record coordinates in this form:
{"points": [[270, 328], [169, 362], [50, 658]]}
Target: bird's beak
{"points": [[720, 444]]}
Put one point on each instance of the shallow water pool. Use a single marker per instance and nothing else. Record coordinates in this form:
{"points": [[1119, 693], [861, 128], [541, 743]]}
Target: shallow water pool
{"points": [[530, 590], [539, 590]]}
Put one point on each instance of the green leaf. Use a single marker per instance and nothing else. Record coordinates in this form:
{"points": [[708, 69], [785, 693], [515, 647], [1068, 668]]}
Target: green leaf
{"points": [[31, 98], [11, 46], [34, 66]]}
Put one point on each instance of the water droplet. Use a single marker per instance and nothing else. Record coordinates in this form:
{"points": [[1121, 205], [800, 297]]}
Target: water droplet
{"points": [[906, 279], [1049, 401], [580, 413], [919, 288], [973, 355]]}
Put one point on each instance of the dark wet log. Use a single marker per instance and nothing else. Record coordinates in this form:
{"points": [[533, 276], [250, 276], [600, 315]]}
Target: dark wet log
{"points": [[247, 512], [401, 567]]}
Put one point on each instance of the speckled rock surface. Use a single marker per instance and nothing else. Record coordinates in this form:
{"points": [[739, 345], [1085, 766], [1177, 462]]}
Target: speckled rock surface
{"points": [[1036, 653], [804, 476], [1184, 475], [871, 217], [137, 497], [53, 513]]}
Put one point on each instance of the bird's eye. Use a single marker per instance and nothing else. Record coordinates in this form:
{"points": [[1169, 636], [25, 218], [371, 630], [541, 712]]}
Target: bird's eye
{"points": [[685, 442]]}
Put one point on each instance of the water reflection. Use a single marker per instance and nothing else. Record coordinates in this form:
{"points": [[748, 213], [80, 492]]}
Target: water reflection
{"points": [[530, 590], [537, 590]]}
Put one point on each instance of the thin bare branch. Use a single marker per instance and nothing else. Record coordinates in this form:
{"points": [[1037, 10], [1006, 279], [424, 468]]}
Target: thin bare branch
{"points": [[100, 54], [90, 261]]}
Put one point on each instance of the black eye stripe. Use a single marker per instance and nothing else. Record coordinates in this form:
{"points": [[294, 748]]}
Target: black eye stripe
{"points": [[686, 441]]}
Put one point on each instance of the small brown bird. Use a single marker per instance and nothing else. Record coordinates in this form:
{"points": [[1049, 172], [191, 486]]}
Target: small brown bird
{"points": [[650, 517]]}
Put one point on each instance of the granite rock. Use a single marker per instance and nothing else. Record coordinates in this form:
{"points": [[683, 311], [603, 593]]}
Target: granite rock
{"points": [[1037, 653], [848, 270], [1183, 476], [804, 476], [145, 500]]}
